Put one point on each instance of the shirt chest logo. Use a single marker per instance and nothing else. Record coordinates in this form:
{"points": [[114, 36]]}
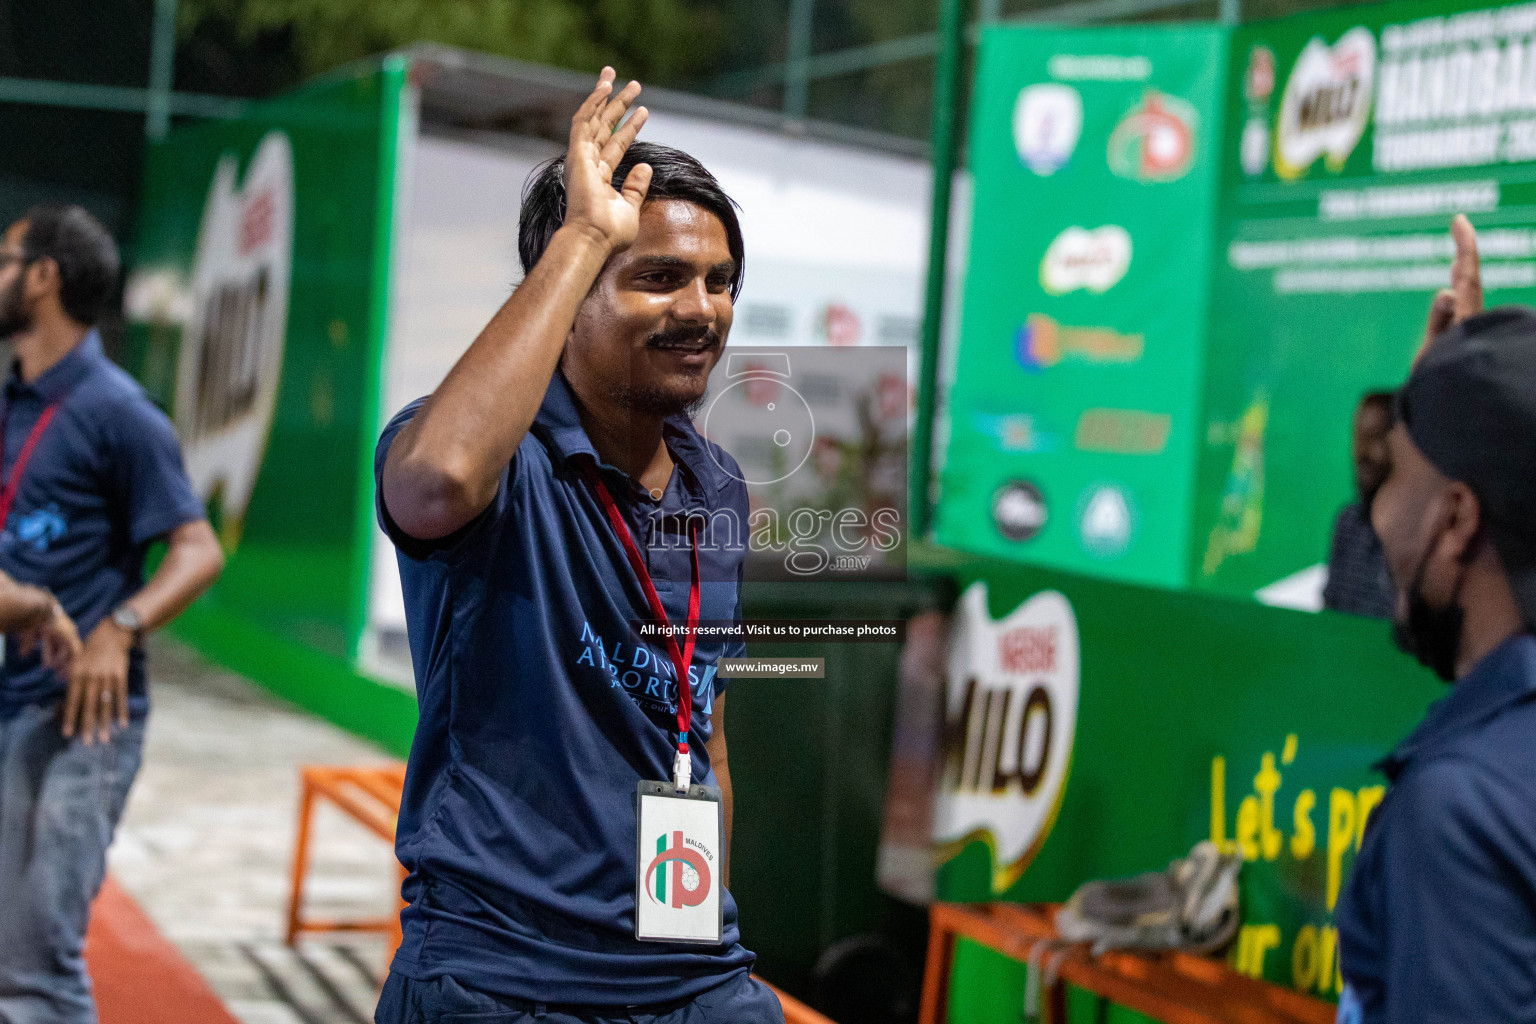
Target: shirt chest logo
{"points": [[643, 672], [37, 530]]}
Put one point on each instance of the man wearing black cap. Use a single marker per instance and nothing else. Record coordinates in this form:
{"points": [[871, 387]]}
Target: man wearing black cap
{"points": [[1439, 920]]}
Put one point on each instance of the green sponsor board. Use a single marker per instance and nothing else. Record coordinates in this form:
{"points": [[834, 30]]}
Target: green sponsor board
{"points": [[256, 320], [1095, 729], [1157, 369], [1352, 137], [1073, 412]]}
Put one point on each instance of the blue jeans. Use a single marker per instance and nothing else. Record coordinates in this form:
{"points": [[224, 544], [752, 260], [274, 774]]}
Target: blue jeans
{"points": [[59, 804], [739, 999]]}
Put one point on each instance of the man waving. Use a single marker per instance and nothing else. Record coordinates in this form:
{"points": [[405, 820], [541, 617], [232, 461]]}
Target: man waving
{"points": [[545, 502]]}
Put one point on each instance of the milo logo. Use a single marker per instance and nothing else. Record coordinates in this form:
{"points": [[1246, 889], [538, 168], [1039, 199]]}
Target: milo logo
{"points": [[232, 348], [1009, 724]]}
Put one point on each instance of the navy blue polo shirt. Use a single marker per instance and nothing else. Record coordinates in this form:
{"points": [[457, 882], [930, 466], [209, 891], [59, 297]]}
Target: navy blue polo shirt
{"points": [[539, 715], [1438, 922], [105, 480]]}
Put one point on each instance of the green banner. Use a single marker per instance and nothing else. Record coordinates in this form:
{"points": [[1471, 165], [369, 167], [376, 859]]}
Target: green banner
{"points": [[1073, 412], [1098, 730], [255, 320], [1352, 138]]}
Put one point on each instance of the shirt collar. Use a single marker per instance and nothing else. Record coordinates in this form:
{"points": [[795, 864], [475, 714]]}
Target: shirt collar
{"points": [[1505, 676], [560, 424], [60, 378]]}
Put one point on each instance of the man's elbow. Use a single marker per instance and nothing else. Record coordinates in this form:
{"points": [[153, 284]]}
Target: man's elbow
{"points": [[431, 501]]}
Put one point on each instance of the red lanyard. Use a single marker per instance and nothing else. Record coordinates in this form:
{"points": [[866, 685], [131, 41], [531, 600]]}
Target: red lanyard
{"points": [[9, 486], [681, 658]]}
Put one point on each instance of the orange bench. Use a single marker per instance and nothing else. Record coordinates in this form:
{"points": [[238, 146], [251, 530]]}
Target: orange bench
{"points": [[370, 796], [1177, 988]]}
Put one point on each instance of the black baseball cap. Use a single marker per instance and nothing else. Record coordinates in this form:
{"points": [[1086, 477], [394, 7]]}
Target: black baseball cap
{"points": [[1470, 407]]}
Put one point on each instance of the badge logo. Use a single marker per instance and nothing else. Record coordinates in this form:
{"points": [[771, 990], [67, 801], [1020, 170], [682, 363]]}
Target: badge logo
{"points": [[232, 349], [1326, 103], [1105, 521], [1155, 140], [1019, 511], [1042, 343], [1077, 258], [679, 876], [1047, 122], [1010, 720]]}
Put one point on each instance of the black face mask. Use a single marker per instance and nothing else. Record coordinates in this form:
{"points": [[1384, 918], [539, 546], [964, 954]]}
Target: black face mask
{"points": [[1433, 635]]}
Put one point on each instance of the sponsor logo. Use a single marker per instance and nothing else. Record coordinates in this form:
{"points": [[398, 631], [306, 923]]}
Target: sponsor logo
{"points": [[1078, 258], [1259, 79], [1155, 140], [1010, 720], [1014, 432], [1105, 521], [1019, 511], [1253, 151], [1047, 122], [232, 349], [679, 875], [839, 325], [1326, 103], [1122, 431], [1042, 343], [1240, 517]]}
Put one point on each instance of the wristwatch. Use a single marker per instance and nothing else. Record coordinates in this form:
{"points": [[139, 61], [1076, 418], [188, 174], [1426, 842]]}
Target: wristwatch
{"points": [[128, 620]]}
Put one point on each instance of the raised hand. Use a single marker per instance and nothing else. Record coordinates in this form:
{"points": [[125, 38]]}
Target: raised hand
{"points": [[1464, 297], [597, 145]]}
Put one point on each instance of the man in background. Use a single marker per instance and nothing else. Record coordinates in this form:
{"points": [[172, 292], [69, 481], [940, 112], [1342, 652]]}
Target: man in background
{"points": [[1438, 922], [90, 476], [1357, 571]]}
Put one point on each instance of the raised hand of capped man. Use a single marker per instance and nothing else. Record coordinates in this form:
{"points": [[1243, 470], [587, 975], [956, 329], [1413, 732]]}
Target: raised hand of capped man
{"points": [[1464, 297]]}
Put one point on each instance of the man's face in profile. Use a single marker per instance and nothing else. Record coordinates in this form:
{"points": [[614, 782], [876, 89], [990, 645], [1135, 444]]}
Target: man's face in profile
{"points": [[1372, 457], [654, 324], [14, 317]]}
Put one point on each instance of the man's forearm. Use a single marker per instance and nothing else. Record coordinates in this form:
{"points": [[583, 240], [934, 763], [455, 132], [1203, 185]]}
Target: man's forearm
{"points": [[444, 466], [22, 606], [193, 560]]}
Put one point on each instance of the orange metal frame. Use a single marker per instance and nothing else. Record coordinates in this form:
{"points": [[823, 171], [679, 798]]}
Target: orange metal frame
{"points": [[1177, 988], [370, 796]]}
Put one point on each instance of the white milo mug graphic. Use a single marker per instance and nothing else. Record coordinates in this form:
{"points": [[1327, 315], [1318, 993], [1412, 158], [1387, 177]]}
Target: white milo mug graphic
{"points": [[232, 348], [1010, 718]]}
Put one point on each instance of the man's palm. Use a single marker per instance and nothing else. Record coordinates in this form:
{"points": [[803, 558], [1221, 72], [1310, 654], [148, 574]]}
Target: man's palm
{"points": [[596, 149]]}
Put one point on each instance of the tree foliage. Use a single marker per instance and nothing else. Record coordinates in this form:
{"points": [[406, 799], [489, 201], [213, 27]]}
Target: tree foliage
{"points": [[656, 40]]}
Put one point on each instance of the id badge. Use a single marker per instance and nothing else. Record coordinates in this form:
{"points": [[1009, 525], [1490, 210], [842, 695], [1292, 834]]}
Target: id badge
{"points": [[680, 866]]}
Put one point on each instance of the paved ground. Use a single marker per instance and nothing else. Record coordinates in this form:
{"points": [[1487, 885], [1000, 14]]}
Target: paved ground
{"points": [[207, 840]]}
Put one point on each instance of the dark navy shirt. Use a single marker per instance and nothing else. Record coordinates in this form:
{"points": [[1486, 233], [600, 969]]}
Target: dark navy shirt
{"points": [[1357, 567], [1438, 922], [539, 716], [105, 480]]}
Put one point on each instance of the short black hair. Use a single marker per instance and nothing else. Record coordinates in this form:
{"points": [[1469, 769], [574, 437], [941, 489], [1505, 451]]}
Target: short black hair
{"points": [[84, 252], [674, 175]]}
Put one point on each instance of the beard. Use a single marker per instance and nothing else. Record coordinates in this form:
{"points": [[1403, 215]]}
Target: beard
{"points": [[656, 399], [14, 315], [1430, 634]]}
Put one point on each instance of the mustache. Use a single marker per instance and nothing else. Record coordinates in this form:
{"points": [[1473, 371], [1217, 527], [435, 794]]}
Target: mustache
{"points": [[685, 337]]}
